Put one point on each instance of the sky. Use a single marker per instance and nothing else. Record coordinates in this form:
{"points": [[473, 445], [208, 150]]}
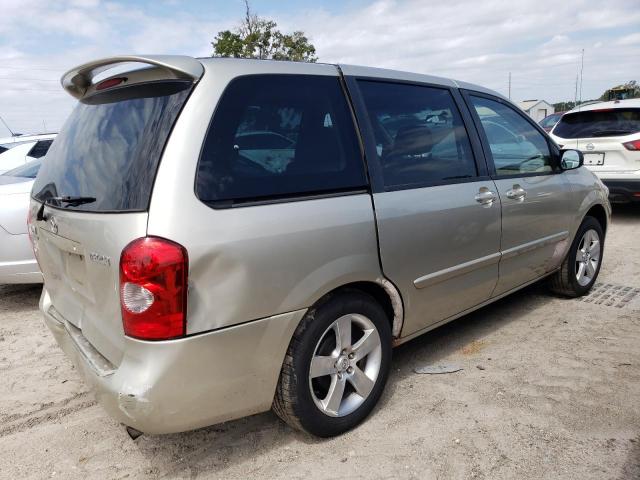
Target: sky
{"points": [[480, 41]]}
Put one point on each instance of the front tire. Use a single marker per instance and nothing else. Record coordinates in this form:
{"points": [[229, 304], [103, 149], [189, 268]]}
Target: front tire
{"points": [[581, 266], [336, 366]]}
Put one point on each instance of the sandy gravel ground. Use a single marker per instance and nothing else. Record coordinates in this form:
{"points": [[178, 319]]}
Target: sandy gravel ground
{"points": [[550, 390]]}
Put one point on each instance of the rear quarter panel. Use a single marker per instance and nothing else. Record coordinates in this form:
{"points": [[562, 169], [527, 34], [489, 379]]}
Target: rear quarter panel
{"points": [[252, 262]]}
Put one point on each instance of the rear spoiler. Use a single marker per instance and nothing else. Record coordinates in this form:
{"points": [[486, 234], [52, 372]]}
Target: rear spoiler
{"points": [[77, 80]]}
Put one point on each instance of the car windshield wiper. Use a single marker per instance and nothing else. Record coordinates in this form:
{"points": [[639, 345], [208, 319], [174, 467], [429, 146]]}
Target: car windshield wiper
{"points": [[600, 133], [71, 201]]}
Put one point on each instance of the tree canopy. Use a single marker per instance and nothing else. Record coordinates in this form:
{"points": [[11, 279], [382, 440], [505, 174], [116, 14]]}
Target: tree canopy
{"points": [[258, 37]]}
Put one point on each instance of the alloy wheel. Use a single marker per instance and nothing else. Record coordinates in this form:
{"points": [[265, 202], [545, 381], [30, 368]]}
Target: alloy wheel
{"points": [[345, 365], [588, 257]]}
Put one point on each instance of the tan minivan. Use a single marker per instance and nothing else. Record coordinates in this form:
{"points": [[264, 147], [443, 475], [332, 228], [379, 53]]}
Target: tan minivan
{"points": [[219, 237]]}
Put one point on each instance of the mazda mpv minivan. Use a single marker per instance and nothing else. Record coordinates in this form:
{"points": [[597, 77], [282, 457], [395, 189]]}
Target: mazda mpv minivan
{"points": [[219, 237]]}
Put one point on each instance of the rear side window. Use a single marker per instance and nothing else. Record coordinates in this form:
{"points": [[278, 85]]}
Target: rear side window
{"points": [[277, 136], [599, 123], [110, 147], [419, 133], [40, 149]]}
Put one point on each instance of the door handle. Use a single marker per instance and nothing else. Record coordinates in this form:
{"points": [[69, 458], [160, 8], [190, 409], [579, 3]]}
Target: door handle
{"points": [[485, 197], [517, 193]]}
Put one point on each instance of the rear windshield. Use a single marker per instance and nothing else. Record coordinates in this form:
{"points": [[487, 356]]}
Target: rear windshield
{"points": [[28, 170], [110, 147], [599, 123]]}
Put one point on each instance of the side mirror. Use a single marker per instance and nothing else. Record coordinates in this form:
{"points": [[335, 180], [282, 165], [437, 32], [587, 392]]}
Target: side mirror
{"points": [[571, 159]]}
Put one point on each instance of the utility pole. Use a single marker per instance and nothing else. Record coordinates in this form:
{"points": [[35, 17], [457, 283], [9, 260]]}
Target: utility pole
{"points": [[581, 70], [509, 85], [575, 96]]}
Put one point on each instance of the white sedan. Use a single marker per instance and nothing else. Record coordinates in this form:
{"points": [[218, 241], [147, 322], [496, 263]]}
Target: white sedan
{"points": [[20, 149], [17, 262]]}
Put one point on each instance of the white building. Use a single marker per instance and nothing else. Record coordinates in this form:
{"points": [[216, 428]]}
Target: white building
{"points": [[536, 109]]}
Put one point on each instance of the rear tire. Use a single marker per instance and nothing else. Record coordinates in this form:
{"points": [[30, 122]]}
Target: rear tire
{"points": [[581, 266], [336, 366]]}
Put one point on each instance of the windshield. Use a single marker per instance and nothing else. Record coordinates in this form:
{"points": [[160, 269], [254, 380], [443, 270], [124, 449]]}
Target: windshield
{"points": [[110, 147], [599, 123], [28, 170]]}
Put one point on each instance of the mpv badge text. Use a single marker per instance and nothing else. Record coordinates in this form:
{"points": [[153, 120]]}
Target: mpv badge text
{"points": [[101, 259]]}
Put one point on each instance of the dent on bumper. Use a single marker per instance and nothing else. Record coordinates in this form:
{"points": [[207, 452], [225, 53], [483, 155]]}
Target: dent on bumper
{"points": [[184, 384]]}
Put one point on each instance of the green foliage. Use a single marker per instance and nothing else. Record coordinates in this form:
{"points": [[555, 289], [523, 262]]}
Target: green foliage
{"points": [[257, 37], [563, 106], [228, 44]]}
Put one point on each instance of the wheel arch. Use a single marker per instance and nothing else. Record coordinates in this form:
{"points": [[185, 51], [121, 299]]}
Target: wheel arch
{"points": [[384, 292], [598, 212]]}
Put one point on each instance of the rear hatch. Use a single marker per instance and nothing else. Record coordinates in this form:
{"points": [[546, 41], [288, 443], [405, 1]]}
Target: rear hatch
{"points": [[601, 134], [91, 196]]}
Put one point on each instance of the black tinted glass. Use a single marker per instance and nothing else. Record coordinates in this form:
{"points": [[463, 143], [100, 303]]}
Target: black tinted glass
{"points": [[599, 123], [419, 133], [110, 147], [40, 149], [277, 136], [517, 147]]}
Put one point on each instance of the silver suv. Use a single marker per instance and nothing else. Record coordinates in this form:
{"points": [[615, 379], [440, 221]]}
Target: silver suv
{"points": [[219, 237]]}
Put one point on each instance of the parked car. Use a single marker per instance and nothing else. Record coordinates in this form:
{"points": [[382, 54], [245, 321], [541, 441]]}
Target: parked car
{"points": [[17, 262], [192, 285], [608, 133], [271, 150], [549, 121], [18, 150]]}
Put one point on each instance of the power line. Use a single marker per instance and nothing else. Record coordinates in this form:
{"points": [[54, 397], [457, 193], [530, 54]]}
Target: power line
{"points": [[581, 71]]}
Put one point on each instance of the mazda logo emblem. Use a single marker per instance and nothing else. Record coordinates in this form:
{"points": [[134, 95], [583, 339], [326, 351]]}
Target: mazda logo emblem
{"points": [[590, 146]]}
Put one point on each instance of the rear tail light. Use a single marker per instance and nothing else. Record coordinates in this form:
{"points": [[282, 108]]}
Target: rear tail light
{"points": [[633, 145], [31, 231], [153, 289]]}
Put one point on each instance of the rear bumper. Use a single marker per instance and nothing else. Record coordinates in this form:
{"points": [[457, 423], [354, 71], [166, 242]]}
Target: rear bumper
{"points": [[623, 191], [184, 384], [17, 263]]}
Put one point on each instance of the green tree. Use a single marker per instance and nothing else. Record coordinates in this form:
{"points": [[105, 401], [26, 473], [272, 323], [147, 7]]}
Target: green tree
{"points": [[258, 37]]}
